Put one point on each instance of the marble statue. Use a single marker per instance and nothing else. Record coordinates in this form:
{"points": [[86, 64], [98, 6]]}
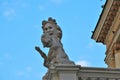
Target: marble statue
{"points": [[51, 39]]}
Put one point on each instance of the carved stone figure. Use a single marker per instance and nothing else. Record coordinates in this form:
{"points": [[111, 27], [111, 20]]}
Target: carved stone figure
{"points": [[51, 39]]}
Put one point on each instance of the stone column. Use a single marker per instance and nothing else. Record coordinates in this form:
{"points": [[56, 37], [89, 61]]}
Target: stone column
{"points": [[110, 59], [117, 54]]}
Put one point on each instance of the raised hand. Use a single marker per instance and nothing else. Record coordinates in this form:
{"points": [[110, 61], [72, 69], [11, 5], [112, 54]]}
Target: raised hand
{"points": [[46, 62], [37, 48]]}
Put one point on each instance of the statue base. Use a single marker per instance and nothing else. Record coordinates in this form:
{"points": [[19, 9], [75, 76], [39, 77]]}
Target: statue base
{"points": [[63, 72], [76, 72]]}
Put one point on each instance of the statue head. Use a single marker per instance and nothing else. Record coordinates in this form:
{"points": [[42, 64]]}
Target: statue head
{"points": [[51, 28]]}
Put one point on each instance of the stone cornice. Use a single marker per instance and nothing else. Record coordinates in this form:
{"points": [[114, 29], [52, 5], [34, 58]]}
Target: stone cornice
{"points": [[105, 20], [101, 20], [99, 72], [108, 22], [60, 72]]}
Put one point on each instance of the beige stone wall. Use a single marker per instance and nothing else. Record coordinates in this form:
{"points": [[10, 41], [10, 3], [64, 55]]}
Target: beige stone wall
{"points": [[107, 32]]}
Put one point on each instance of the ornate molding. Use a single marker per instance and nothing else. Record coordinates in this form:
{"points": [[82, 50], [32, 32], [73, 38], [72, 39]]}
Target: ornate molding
{"points": [[116, 46], [108, 22]]}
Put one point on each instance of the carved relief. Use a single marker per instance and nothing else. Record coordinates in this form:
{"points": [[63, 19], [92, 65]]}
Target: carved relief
{"points": [[116, 46], [108, 22]]}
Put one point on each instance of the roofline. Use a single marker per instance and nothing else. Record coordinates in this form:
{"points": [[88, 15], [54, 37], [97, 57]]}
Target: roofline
{"points": [[99, 19]]}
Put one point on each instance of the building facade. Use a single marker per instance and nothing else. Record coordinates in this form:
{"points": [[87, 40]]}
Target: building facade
{"points": [[107, 31]]}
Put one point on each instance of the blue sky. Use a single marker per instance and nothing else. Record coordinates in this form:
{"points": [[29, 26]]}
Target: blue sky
{"points": [[20, 31]]}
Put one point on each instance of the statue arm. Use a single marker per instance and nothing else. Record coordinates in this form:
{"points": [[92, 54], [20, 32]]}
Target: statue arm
{"points": [[43, 55], [41, 52]]}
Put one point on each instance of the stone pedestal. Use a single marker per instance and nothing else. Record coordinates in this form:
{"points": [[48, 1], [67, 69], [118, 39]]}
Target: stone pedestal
{"points": [[64, 72]]}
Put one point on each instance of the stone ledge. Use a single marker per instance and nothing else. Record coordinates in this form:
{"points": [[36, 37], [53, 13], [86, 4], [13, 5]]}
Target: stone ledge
{"points": [[68, 72]]}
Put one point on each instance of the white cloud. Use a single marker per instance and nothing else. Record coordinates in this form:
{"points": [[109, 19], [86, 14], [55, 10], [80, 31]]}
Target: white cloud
{"points": [[48, 3], [10, 8], [90, 45], [28, 69], [100, 44], [82, 63], [9, 13], [8, 56], [20, 73]]}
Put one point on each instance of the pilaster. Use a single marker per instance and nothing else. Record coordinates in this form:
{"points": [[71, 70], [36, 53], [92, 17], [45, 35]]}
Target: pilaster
{"points": [[116, 48], [110, 59]]}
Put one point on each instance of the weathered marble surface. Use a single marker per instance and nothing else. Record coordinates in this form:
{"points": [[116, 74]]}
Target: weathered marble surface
{"points": [[51, 38]]}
